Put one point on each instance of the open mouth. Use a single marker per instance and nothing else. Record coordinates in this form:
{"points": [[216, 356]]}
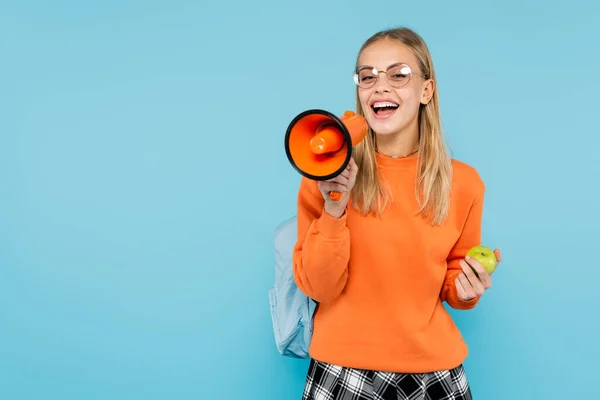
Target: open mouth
{"points": [[384, 108]]}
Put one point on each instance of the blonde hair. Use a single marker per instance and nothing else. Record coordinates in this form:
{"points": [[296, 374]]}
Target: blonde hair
{"points": [[434, 174]]}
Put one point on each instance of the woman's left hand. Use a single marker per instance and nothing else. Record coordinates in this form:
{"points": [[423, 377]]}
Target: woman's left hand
{"points": [[469, 285]]}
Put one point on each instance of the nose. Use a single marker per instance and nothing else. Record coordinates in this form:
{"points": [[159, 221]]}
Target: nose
{"points": [[382, 84]]}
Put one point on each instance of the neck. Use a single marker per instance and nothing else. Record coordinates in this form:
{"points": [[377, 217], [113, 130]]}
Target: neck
{"points": [[397, 145]]}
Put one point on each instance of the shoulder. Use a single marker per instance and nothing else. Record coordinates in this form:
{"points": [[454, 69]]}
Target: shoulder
{"points": [[466, 179], [465, 172]]}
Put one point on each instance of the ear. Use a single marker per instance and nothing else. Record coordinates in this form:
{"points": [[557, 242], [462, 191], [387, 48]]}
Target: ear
{"points": [[427, 91]]}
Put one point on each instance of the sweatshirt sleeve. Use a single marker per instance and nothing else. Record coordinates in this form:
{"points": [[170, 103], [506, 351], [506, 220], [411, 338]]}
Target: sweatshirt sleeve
{"points": [[321, 254], [470, 236]]}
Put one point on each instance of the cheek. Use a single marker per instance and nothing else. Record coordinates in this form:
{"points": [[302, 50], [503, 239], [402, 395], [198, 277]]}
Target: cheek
{"points": [[409, 96], [363, 96]]}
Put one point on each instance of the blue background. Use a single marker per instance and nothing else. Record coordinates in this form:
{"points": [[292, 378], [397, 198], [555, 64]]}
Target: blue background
{"points": [[142, 174]]}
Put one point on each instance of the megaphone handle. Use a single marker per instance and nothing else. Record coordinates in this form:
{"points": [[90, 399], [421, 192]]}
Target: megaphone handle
{"points": [[335, 196]]}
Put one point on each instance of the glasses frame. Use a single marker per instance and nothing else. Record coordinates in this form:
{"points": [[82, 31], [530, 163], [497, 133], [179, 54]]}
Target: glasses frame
{"points": [[377, 73]]}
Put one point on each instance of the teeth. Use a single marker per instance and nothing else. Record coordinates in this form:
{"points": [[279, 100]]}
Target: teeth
{"points": [[384, 104]]}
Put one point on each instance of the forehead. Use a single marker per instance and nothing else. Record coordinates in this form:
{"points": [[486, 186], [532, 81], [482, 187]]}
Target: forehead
{"points": [[383, 53]]}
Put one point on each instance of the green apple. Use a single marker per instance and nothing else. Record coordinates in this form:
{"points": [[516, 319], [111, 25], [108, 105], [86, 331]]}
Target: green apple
{"points": [[484, 256]]}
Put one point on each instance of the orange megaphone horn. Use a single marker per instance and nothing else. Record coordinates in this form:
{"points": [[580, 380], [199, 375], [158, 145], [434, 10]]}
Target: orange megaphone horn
{"points": [[319, 144]]}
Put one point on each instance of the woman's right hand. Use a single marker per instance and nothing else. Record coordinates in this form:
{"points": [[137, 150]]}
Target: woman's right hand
{"points": [[343, 183]]}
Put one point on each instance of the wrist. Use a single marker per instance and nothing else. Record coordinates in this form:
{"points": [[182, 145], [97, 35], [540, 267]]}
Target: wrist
{"points": [[335, 212]]}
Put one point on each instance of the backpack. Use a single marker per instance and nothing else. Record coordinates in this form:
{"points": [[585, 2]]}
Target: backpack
{"points": [[291, 310]]}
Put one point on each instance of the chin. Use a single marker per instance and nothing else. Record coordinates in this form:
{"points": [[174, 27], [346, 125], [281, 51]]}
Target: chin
{"points": [[388, 126]]}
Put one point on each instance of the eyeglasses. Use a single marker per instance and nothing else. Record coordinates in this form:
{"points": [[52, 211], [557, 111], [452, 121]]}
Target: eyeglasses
{"points": [[397, 75]]}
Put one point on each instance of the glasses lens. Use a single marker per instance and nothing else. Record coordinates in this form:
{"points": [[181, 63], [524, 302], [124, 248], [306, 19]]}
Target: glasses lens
{"points": [[399, 75], [366, 78]]}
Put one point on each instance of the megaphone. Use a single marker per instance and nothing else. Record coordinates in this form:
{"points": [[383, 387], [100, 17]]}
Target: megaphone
{"points": [[319, 144]]}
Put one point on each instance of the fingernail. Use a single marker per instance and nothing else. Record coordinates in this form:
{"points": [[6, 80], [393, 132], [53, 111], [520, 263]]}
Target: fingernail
{"points": [[467, 258]]}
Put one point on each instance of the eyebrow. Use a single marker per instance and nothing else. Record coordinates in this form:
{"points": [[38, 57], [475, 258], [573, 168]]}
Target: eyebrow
{"points": [[391, 65]]}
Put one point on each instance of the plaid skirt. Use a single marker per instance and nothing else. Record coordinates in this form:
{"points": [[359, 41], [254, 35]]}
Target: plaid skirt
{"points": [[331, 382]]}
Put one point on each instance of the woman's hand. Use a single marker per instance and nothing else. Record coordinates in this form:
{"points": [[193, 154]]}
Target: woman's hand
{"points": [[343, 183], [468, 284]]}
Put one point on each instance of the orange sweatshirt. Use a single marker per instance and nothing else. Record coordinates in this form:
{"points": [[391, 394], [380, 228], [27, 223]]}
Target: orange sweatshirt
{"points": [[380, 282]]}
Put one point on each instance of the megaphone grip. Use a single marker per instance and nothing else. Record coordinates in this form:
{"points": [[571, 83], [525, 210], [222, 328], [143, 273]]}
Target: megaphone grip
{"points": [[335, 196]]}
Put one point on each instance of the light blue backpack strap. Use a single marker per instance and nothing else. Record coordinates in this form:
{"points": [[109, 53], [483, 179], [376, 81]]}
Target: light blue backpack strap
{"points": [[291, 310]]}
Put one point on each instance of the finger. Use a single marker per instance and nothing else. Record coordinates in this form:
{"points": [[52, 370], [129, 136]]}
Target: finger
{"points": [[341, 179], [326, 187], [346, 171], [353, 166], [470, 292], [498, 255], [463, 288], [478, 285], [460, 290], [353, 173], [329, 186], [483, 276]]}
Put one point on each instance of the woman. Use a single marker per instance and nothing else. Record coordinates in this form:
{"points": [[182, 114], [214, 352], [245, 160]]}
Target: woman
{"points": [[381, 261]]}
